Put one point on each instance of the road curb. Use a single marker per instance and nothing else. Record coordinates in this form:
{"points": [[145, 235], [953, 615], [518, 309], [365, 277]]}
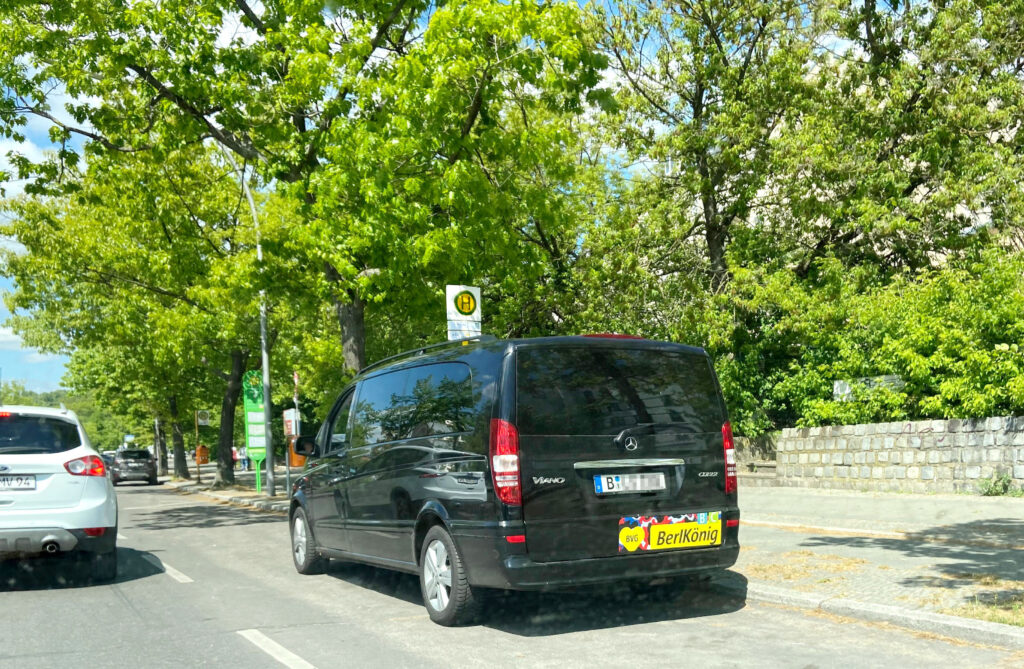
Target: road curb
{"points": [[964, 629]]}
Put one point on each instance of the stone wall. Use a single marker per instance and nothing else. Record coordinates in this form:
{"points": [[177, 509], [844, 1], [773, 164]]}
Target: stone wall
{"points": [[917, 456]]}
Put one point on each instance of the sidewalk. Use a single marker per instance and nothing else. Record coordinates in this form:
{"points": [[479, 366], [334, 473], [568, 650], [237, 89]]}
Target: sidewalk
{"points": [[912, 560], [244, 491], [926, 562]]}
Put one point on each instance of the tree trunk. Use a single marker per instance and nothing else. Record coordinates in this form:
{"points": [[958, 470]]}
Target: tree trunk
{"points": [[160, 446], [177, 439], [715, 235], [226, 438], [353, 331]]}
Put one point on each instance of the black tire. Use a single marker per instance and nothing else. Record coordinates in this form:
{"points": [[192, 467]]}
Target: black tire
{"points": [[304, 547], [153, 481], [103, 566], [440, 564]]}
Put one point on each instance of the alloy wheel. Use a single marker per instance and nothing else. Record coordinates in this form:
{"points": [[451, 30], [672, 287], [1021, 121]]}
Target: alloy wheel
{"points": [[299, 540], [437, 575]]}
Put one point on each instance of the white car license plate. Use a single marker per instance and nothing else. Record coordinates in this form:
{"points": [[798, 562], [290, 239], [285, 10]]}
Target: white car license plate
{"points": [[18, 482], [611, 483]]}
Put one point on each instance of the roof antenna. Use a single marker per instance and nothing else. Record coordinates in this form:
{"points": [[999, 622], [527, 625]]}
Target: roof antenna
{"points": [[63, 409]]}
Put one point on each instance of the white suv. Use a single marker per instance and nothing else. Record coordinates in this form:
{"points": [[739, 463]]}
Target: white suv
{"points": [[55, 495]]}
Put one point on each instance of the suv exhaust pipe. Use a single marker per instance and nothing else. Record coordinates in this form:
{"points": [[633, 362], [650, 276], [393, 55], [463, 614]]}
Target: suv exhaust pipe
{"points": [[51, 546]]}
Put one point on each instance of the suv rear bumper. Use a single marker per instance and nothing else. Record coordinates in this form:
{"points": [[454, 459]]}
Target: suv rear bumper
{"points": [[16, 542], [519, 572]]}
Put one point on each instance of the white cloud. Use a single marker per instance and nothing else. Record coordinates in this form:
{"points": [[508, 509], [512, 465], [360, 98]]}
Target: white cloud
{"points": [[30, 150], [8, 340], [233, 29], [8, 244]]}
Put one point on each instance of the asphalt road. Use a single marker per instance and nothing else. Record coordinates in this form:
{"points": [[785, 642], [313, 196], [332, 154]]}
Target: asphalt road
{"points": [[203, 584]]}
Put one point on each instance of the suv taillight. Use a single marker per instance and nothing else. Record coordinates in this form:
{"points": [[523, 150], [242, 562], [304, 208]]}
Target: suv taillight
{"points": [[90, 465], [730, 459], [504, 452]]}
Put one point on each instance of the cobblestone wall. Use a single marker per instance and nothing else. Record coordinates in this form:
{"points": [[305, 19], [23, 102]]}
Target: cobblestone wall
{"points": [[919, 456]]}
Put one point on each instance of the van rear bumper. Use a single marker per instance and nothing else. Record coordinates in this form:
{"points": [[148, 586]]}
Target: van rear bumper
{"points": [[519, 572]]}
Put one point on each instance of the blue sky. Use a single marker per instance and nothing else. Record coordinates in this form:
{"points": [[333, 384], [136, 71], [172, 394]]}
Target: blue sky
{"points": [[37, 371]]}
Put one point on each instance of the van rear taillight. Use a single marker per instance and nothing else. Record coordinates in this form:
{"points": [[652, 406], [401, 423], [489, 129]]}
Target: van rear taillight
{"points": [[504, 453], [730, 459]]}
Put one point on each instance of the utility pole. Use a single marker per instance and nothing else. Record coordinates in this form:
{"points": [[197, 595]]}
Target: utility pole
{"points": [[264, 353], [199, 476]]}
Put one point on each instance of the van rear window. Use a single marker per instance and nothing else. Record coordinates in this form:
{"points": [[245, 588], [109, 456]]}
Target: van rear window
{"points": [[36, 434], [592, 390]]}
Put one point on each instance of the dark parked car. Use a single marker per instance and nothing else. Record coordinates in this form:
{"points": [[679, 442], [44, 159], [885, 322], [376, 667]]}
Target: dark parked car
{"points": [[133, 465], [524, 464]]}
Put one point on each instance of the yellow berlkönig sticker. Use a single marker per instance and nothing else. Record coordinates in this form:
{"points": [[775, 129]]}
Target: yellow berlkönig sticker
{"points": [[685, 535]]}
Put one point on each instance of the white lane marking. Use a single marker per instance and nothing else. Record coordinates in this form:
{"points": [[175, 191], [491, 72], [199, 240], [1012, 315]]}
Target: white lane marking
{"points": [[275, 650], [167, 569], [121, 537]]}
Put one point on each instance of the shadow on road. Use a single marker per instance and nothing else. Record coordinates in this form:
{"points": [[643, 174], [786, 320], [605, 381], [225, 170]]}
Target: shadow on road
{"points": [[960, 554], [534, 614], [71, 571], [202, 516]]}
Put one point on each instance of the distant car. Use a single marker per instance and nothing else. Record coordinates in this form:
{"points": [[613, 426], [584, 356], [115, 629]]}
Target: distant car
{"points": [[133, 465], [108, 457], [54, 492]]}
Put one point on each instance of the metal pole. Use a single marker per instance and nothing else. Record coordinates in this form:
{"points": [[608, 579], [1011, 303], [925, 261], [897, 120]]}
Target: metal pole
{"points": [[199, 476], [264, 353]]}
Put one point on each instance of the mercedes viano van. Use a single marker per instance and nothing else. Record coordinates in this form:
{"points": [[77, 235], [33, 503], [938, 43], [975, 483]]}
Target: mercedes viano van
{"points": [[523, 464]]}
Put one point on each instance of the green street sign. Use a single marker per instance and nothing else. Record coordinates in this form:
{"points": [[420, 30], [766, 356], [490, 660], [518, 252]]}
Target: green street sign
{"points": [[255, 428]]}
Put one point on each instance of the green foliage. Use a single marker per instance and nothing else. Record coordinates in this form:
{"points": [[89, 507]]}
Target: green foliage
{"points": [[813, 192], [999, 485]]}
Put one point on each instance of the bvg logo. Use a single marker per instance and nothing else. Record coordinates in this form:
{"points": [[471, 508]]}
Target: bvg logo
{"points": [[465, 303]]}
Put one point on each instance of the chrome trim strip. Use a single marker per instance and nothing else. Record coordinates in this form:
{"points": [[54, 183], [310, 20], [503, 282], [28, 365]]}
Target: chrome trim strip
{"points": [[637, 462]]}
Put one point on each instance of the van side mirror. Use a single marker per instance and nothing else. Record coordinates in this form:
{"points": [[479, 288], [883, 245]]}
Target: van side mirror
{"points": [[305, 445]]}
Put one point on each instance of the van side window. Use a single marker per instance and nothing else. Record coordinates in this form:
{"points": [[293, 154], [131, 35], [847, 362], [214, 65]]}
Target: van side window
{"points": [[337, 436], [440, 400], [419, 402]]}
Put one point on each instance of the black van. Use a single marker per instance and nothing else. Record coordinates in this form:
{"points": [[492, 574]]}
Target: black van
{"points": [[523, 464]]}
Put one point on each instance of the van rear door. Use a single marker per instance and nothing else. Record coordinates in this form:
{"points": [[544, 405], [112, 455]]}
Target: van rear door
{"points": [[617, 437]]}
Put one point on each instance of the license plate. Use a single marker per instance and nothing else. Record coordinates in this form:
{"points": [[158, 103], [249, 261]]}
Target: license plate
{"points": [[605, 484], [657, 533], [17, 482]]}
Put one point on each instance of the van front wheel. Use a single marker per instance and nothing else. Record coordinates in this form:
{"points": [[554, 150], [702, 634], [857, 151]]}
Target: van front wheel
{"points": [[446, 591]]}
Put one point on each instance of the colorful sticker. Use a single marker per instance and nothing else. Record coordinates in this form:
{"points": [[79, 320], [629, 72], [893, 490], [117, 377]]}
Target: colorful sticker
{"points": [[691, 530]]}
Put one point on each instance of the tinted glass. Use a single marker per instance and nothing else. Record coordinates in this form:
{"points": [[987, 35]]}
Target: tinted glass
{"points": [[338, 437], [592, 391], [418, 402], [135, 455], [439, 400], [37, 434]]}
